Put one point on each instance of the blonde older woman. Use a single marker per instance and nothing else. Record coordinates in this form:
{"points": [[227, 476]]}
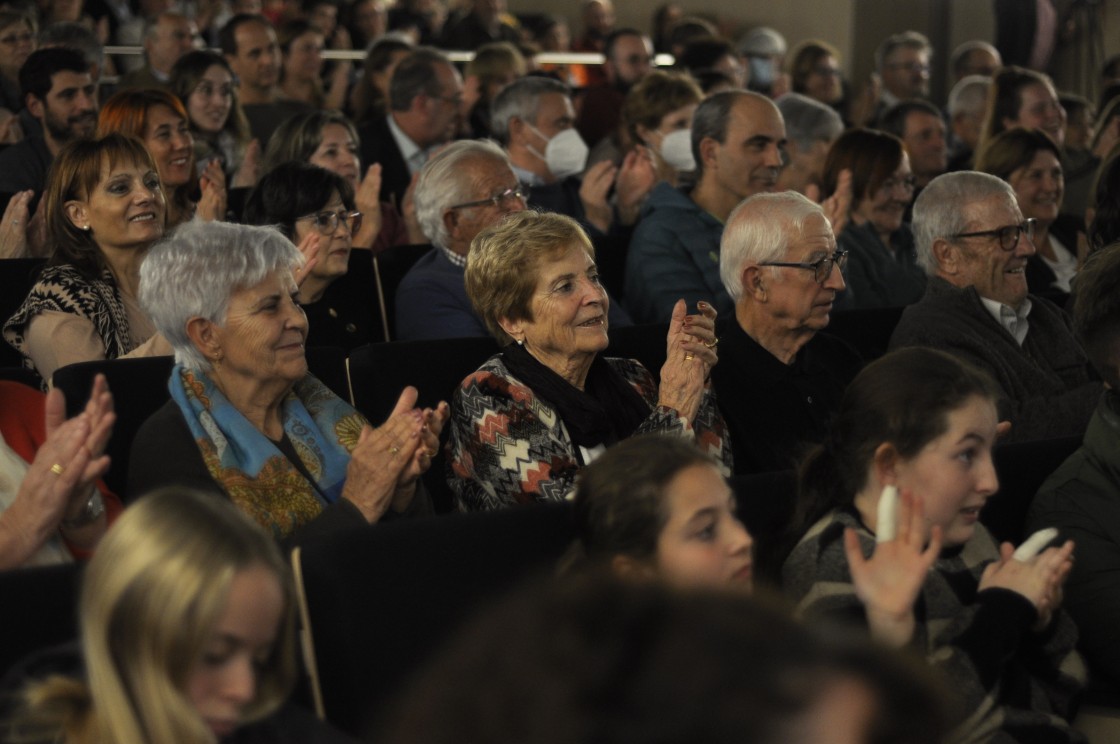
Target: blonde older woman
{"points": [[246, 421], [532, 415]]}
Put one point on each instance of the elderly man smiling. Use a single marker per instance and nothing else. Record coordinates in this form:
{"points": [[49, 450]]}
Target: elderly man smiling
{"points": [[974, 244]]}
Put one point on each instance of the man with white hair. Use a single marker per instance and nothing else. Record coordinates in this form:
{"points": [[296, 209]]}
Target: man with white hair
{"points": [[779, 378], [974, 244], [465, 188]]}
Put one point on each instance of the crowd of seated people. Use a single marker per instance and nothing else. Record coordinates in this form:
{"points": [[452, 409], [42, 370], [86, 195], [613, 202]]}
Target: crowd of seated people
{"points": [[750, 210]]}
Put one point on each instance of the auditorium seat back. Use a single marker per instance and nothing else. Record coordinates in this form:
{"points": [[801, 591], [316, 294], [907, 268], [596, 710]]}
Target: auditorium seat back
{"points": [[377, 602]]}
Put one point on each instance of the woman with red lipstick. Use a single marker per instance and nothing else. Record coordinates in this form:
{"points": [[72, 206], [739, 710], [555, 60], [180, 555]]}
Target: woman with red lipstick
{"points": [[882, 266], [547, 404], [104, 208], [159, 120], [924, 422], [187, 636], [1032, 164]]}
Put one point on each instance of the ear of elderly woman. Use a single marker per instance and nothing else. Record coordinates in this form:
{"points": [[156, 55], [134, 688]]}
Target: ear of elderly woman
{"points": [[246, 420]]}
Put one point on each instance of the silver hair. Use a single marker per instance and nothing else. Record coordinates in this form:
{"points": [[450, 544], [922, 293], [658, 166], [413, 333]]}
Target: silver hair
{"points": [[809, 121], [759, 230], [196, 269], [939, 211], [521, 98], [444, 182], [969, 95]]}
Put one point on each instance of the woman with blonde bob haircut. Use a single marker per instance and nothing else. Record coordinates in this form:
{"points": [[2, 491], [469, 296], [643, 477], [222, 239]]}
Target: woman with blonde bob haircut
{"points": [[163, 627], [549, 392]]}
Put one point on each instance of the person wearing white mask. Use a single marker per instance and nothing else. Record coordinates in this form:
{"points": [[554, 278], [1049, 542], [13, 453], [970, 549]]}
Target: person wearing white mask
{"points": [[534, 121], [658, 116]]}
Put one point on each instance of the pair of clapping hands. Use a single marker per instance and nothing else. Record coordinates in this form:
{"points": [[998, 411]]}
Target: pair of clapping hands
{"points": [[389, 459], [889, 581]]}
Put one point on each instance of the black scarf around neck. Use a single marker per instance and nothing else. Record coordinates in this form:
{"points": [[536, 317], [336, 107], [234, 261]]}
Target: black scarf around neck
{"points": [[607, 410]]}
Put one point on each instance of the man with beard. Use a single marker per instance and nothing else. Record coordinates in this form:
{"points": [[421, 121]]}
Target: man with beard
{"points": [[58, 91], [629, 58]]}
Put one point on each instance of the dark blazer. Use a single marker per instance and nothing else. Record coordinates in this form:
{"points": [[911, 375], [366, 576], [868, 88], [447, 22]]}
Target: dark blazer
{"points": [[378, 146]]}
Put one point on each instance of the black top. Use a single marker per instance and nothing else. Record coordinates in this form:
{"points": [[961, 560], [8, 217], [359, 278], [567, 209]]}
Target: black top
{"points": [[775, 411], [24, 166], [347, 315]]}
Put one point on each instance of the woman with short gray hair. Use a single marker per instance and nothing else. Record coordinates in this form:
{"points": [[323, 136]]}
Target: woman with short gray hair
{"points": [[246, 421]]}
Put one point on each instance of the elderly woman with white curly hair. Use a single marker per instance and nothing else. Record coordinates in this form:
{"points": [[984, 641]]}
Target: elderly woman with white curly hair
{"points": [[245, 419]]}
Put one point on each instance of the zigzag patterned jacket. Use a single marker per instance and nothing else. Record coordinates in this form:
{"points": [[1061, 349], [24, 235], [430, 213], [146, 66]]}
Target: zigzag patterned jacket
{"points": [[509, 447]]}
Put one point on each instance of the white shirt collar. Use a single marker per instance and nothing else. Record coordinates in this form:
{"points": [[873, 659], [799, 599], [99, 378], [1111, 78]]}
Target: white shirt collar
{"points": [[1013, 321], [413, 155]]}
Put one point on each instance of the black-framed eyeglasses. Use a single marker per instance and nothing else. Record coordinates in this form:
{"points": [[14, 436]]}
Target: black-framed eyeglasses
{"points": [[821, 268], [327, 222], [498, 200], [1008, 235]]}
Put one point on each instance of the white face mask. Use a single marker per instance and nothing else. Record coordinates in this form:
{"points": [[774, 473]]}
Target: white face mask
{"points": [[566, 153], [676, 150]]}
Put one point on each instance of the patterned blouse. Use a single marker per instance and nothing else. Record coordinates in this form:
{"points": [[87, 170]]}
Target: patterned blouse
{"points": [[509, 447]]}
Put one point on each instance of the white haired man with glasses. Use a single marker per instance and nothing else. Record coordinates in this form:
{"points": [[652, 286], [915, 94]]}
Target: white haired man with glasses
{"points": [[467, 187], [974, 244], [779, 378]]}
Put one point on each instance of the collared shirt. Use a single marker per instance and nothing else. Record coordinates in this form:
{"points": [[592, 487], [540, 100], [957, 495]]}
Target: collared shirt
{"points": [[1014, 321], [412, 153], [529, 178], [454, 258]]}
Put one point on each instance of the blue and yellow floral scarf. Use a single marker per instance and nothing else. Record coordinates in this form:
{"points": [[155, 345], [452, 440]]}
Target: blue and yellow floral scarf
{"points": [[255, 474]]}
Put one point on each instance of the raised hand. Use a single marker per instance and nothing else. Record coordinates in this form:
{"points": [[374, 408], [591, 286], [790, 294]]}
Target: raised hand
{"points": [[1039, 580], [249, 172], [890, 580], [375, 477], [636, 178], [689, 357], [309, 247], [367, 199], [212, 204], [13, 225], [593, 192]]}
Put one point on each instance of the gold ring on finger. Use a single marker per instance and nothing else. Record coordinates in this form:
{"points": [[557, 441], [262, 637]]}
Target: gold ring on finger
{"points": [[713, 344], [56, 469], [689, 357], [394, 450]]}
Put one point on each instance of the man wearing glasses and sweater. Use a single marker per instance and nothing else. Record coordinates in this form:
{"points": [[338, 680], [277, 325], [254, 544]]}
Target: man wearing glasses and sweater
{"points": [[974, 244]]}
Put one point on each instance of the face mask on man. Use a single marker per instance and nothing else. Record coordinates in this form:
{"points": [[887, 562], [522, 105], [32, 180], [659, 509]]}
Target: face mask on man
{"points": [[566, 153], [676, 150], [762, 71]]}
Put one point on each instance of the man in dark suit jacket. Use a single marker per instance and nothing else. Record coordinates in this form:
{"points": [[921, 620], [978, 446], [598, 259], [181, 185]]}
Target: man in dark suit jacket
{"points": [[425, 95]]}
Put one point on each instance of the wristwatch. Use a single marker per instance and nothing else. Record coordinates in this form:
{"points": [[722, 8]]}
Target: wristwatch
{"points": [[94, 508]]}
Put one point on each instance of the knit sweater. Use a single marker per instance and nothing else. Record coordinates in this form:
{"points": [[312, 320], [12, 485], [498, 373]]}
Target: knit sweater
{"points": [[1049, 389], [1013, 685]]}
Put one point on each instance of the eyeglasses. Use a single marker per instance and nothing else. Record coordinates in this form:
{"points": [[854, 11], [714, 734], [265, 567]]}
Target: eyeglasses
{"points": [[908, 183], [454, 100], [821, 268], [327, 222], [1008, 236], [498, 200]]}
